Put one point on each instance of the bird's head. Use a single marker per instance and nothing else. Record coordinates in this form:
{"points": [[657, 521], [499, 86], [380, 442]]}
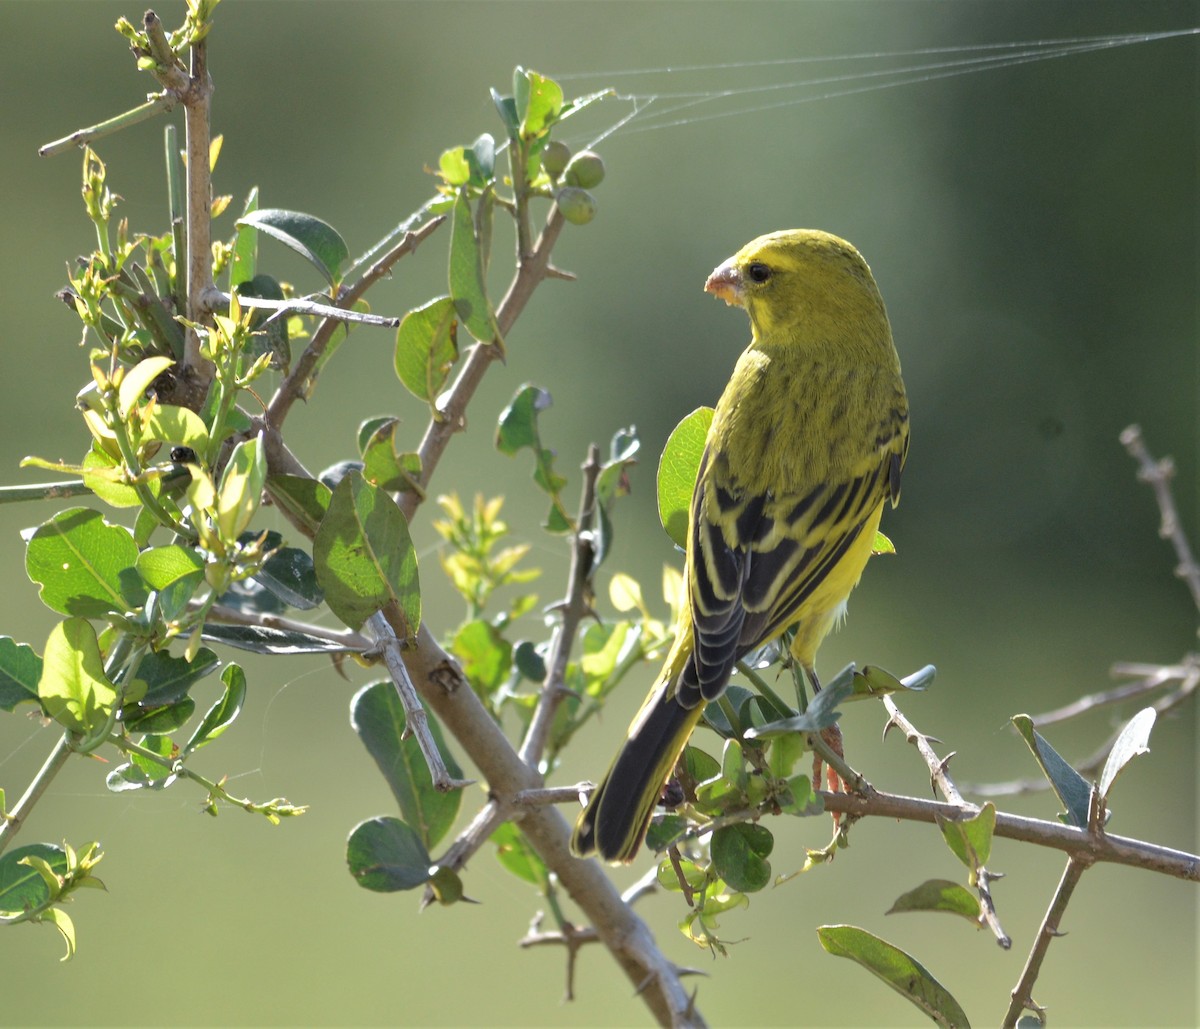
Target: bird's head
{"points": [[801, 284]]}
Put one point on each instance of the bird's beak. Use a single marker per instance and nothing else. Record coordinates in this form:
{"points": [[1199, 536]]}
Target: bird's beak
{"points": [[726, 283]]}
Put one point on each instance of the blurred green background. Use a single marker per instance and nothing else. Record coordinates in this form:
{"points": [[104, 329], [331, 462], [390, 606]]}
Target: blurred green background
{"points": [[1034, 232]]}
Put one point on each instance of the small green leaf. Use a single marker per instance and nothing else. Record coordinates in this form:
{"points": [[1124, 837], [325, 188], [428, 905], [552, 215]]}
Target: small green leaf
{"points": [[507, 108], [73, 688], [61, 921], [971, 839], [304, 498], [84, 565], [386, 855], [241, 488], [289, 574], [939, 895], [485, 655], [175, 573], [664, 831], [20, 670], [427, 347], [821, 713], [160, 719], [170, 424], [518, 428], [453, 167], [539, 101], [677, 470], [1072, 789], [364, 556], [383, 465], [1133, 740], [739, 856], [900, 971], [377, 715], [244, 265], [316, 241], [222, 714], [167, 679], [22, 887], [269, 331], [515, 854], [467, 287], [137, 380]]}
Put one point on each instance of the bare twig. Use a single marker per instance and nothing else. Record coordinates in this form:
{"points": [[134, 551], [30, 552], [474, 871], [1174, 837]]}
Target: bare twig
{"points": [[294, 386], [1189, 675], [1149, 678], [353, 642], [939, 775], [159, 104], [302, 305], [11, 822], [550, 795], [1120, 850], [1158, 475], [574, 609], [197, 102], [570, 937], [416, 721], [1077, 864]]}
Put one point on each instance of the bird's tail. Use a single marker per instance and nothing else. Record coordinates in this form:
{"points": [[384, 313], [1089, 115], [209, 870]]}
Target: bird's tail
{"points": [[615, 821]]}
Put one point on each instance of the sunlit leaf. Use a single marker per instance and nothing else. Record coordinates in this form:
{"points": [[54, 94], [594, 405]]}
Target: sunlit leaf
{"points": [[677, 470], [315, 240], [900, 971]]}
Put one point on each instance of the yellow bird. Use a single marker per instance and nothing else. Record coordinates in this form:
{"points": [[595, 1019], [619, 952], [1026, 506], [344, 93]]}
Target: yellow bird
{"points": [[806, 446]]}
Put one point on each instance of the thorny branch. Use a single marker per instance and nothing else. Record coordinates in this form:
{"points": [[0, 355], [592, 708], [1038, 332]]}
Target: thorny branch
{"points": [[576, 606], [1077, 864], [939, 775]]}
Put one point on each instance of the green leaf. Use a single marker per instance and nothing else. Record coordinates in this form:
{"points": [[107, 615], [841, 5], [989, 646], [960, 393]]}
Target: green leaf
{"points": [[241, 488], [73, 688], [1072, 789], [878, 682], [1133, 740], [971, 840], [364, 556], [901, 972], [316, 241], [739, 855], [171, 424], [385, 855], [939, 895], [22, 888], [539, 101], [244, 265], [427, 347], [262, 639], [61, 921], [507, 108], [102, 477], [821, 712], [269, 330], [20, 670], [453, 167], [167, 679], [289, 574], [664, 831], [303, 498], [377, 715], [222, 714], [175, 573], [515, 854], [382, 465], [467, 287], [485, 655], [517, 429], [84, 565], [160, 719], [677, 470], [137, 380]]}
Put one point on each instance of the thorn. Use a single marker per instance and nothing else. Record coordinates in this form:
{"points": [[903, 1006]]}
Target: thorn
{"points": [[889, 725]]}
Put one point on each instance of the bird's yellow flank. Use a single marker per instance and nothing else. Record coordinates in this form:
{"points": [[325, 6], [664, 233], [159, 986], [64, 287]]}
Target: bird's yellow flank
{"points": [[806, 446]]}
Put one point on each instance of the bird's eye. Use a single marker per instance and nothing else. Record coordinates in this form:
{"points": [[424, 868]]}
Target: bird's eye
{"points": [[758, 272]]}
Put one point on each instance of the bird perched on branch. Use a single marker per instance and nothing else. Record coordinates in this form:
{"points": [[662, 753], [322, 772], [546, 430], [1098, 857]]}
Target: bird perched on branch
{"points": [[806, 446]]}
